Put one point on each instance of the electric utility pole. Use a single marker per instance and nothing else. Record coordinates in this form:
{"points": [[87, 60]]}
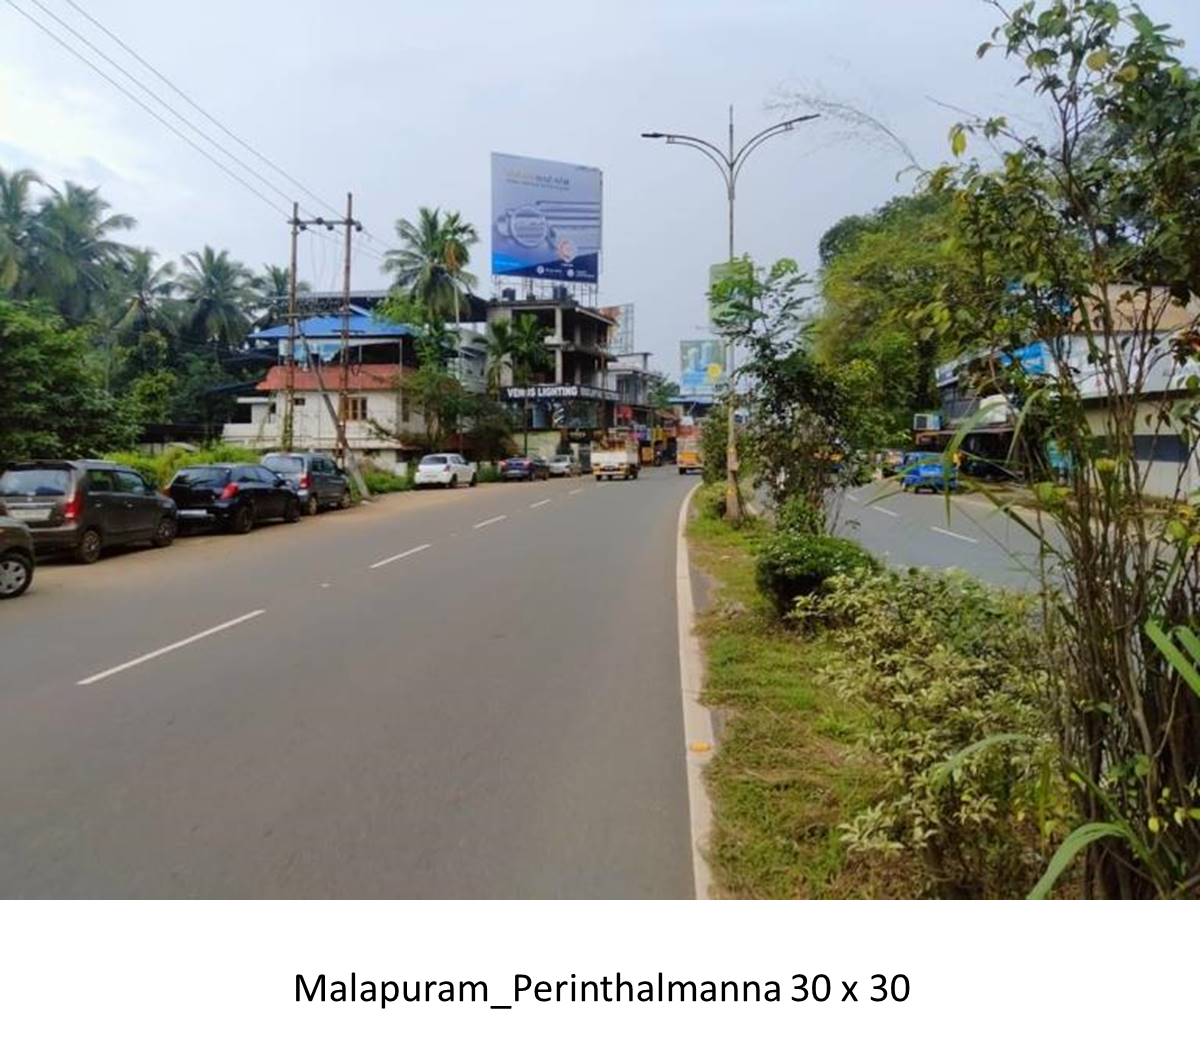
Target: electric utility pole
{"points": [[729, 164], [290, 367]]}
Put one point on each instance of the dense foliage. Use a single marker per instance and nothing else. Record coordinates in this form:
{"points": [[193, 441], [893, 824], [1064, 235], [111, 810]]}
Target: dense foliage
{"points": [[1101, 224], [960, 699]]}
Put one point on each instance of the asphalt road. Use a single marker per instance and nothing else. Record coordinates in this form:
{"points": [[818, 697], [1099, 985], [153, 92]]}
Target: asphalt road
{"points": [[906, 529], [468, 693]]}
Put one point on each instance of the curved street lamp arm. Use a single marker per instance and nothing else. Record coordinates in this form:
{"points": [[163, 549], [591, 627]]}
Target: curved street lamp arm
{"points": [[709, 146], [771, 131], [696, 145]]}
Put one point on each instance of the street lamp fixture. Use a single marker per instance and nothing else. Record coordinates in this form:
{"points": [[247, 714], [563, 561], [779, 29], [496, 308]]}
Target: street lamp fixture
{"points": [[729, 164]]}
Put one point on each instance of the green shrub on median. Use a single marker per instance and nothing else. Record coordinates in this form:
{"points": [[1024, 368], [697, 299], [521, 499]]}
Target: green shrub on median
{"points": [[380, 481], [791, 564], [959, 695]]}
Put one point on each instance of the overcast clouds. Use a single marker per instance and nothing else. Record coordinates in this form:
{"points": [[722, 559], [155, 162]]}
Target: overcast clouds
{"points": [[402, 103]]}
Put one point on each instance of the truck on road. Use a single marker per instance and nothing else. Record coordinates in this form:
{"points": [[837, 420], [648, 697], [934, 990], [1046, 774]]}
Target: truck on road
{"points": [[614, 461], [688, 450]]}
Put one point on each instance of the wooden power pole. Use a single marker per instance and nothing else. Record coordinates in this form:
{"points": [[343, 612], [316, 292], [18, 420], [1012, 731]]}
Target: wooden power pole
{"points": [[290, 366]]}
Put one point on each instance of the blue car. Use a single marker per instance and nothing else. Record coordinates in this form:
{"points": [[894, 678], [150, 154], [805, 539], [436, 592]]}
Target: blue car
{"points": [[926, 471]]}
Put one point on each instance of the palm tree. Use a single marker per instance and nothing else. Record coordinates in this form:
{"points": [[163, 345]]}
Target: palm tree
{"points": [[430, 264], [521, 347], [16, 221], [74, 260], [143, 293], [272, 288], [217, 293]]}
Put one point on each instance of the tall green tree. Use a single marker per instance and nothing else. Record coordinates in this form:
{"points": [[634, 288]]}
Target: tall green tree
{"points": [[518, 347], [52, 397], [142, 292], [16, 225], [430, 265], [75, 260], [272, 287], [217, 292]]}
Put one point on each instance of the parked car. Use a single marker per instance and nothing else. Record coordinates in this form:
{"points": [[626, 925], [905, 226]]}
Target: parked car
{"points": [[444, 470], [83, 507], [317, 480], [563, 465], [16, 558], [891, 462], [235, 497], [531, 468], [923, 471]]}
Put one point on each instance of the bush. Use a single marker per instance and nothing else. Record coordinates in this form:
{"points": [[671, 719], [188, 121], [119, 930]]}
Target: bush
{"points": [[487, 472], [797, 515], [958, 697], [792, 564], [711, 500], [380, 481], [160, 469]]}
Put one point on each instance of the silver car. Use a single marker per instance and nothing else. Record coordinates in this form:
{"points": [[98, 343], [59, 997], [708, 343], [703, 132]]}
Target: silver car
{"points": [[563, 465]]}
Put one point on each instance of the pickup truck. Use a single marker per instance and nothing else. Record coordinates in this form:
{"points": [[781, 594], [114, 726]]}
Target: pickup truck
{"points": [[614, 462]]}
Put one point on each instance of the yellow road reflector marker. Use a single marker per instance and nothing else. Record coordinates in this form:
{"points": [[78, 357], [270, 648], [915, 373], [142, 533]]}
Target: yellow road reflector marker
{"points": [[700, 747]]}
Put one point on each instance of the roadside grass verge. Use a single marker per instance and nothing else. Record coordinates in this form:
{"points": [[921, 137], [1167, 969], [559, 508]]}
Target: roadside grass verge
{"points": [[790, 767]]}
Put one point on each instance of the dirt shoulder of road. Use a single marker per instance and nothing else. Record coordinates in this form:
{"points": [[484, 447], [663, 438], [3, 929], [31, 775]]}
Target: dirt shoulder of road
{"points": [[791, 766]]}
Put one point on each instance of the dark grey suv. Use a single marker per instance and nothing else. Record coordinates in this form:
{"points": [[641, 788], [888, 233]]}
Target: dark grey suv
{"points": [[318, 482], [83, 507], [16, 558]]}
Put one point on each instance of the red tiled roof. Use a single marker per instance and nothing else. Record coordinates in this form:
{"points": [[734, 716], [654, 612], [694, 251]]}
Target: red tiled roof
{"points": [[362, 377]]}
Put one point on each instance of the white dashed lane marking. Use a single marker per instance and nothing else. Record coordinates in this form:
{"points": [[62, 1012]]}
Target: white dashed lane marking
{"points": [[397, 558]]}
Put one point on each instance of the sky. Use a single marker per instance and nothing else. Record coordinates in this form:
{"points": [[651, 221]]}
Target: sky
{"points": [[402, 102]]}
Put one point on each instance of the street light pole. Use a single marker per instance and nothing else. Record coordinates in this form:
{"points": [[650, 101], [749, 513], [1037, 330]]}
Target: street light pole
{"points": [[729, 163]]}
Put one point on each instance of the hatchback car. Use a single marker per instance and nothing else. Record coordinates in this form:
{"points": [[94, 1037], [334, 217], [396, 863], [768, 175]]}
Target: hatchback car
{"points": [[444, 470], [235, 497], [563, 465], [530, 468], [925, 471], [16, 558], [83, 507], [318, 482]]}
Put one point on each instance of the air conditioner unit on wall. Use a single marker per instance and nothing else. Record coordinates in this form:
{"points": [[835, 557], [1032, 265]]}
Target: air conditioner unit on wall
{"points": [[927, 422]]}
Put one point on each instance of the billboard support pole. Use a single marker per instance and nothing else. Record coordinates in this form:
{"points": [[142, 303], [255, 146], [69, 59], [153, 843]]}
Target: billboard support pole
{"points": [[729, 163]]}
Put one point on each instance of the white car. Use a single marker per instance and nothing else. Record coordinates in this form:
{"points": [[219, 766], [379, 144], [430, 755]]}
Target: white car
{"points": [[444, 470]]}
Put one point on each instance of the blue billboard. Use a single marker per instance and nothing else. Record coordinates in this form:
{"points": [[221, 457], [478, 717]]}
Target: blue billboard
{"points": [[546, 219], [702, 367]]}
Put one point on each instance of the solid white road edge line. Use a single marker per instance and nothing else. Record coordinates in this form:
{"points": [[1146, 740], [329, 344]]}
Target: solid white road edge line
{"points": [[396, 558], [489, 522], [170, 648], [698, 724], [539, 504], [886, 511], [957, 536]]}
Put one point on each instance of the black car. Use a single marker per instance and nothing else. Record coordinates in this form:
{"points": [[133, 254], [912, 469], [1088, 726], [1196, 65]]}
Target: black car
{"points": [[318, 482], [531, 468], [235, 497], [83, 507]]}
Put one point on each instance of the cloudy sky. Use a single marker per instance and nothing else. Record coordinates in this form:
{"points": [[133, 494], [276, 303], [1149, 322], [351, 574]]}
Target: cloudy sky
{"points": [[402, 102]]}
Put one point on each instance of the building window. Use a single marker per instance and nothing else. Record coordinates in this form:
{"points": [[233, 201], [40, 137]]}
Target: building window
{"points": [[404, 409], [298, 401], [354, 409]]}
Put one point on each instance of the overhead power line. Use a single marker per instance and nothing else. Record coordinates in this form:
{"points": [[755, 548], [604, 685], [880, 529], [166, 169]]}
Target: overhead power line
{"points": [[170, 108], [143, 105], [203, 111]]}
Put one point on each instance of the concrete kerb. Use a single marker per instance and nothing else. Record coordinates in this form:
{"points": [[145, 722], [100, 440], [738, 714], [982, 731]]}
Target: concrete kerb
{"points": [[699, 742]]}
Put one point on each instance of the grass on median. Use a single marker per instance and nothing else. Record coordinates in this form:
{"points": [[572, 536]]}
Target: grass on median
{"points": [[790, 768]]}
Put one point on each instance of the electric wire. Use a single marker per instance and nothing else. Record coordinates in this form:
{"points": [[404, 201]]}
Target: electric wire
{"points": [[142, 104], [213, 119]]}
